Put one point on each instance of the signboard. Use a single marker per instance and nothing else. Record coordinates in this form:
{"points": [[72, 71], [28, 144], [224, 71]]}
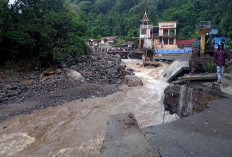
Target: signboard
{"points": [[167, 25]]}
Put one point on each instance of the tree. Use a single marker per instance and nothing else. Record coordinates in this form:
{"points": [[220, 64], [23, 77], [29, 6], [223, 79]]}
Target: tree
{"points": [[43, 29]]}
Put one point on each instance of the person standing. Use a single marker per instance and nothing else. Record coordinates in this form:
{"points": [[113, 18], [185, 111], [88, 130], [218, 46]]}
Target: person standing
{"points": [[220, 56]]}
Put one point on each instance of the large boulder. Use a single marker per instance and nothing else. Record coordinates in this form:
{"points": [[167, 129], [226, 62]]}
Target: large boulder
{"points": [[133, 81], [75, 76]]}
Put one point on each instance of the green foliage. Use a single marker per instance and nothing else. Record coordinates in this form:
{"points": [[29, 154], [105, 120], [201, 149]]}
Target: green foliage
{"points": [[122, 17], [229, 47], [119, 42], [19, 37], [54, 30], [41, 29], [210, 67], [229, 63], [187, 32], [24, 65], [99, 36], [5, 18]]}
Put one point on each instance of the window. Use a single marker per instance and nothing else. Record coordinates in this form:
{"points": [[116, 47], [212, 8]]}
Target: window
{"points": [[143, 32], [165, 41], [165, 32], [161, 41], [144, 23], [172, 32], [171, 41]]}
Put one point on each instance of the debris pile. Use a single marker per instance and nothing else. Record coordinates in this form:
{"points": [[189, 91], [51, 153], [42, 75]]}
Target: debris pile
{"points": [[102, 69], [89, 71]]}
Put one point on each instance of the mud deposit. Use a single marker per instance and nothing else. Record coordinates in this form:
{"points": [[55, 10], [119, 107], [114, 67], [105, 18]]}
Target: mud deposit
{"points": [[26, 92], [78, 128]]}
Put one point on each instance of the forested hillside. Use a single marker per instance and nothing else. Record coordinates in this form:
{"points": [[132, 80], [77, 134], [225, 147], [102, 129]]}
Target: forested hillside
{"points": [[122, 17], [50, 31], [40, 33]]}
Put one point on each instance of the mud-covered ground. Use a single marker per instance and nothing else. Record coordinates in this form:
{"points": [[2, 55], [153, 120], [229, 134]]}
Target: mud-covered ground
{"points": [[25, 92]]}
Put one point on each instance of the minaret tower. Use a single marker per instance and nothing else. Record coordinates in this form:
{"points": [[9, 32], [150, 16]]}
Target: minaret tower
{"points": [[145, 21], [145, 32]]}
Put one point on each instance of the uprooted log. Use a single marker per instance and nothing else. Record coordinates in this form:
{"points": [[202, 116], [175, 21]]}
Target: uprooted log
{"points": [[46, 74]]}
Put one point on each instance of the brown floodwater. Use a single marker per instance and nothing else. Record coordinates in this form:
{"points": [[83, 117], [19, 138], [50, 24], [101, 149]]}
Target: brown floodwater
{"points": [[78, 128]]}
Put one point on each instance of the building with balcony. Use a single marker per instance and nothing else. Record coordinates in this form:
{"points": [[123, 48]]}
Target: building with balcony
{"points": [[158, 37], [167, 35]]}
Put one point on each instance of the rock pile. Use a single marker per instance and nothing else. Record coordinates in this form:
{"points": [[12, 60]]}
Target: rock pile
{"points": [[195, 61], [101, 69], [23, 87]]}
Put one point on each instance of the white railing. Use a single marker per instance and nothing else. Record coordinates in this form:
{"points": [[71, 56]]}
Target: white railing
{"points": [[146, 26]]}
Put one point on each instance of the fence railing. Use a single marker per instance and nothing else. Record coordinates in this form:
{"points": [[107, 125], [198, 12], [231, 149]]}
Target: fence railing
{"points": [[186, 50], [146, 26], [166, 34]]}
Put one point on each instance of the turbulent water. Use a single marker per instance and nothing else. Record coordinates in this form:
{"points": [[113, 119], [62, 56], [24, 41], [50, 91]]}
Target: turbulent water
{"points": [[78, 128]]}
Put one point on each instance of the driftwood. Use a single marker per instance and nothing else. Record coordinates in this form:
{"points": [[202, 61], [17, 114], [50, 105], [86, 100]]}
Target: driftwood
{"points": [[46, 74]]}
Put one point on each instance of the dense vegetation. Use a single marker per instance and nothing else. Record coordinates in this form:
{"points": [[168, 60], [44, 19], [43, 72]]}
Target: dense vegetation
{"points": [[45, 32], [52, 30], [122, 17]]}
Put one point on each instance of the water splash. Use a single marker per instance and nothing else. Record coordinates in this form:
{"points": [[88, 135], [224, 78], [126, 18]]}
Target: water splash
{"points": [[190, 103], [181, 99], [13, 143], [86, 149], [129, 55]]}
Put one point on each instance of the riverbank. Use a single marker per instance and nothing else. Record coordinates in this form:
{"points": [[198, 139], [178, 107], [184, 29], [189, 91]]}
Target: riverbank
{"points": [[78, 128], [208, 133], [92, 76]]}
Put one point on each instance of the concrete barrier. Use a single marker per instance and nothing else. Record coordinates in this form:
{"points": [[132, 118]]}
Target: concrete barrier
{"points": [[125, 139], [175, 69]]}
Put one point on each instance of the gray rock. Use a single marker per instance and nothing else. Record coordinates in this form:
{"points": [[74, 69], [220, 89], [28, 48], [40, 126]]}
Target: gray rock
{"points": [[122, 65], [208, 85], [117, 56], [8, 87], [73, 67], [75, 76], [133, 81], [32, 76], [130, 69]]}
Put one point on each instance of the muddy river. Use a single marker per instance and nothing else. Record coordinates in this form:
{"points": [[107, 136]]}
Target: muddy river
{"points": [[78, 128]]}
